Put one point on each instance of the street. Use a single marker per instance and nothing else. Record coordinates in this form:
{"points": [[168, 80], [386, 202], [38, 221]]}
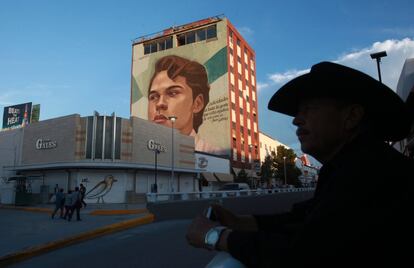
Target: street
{"points": [[160, 244]]}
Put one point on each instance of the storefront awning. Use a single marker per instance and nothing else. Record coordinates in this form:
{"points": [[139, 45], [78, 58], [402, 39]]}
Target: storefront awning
{"points": [[223, 177], [209, 176]]}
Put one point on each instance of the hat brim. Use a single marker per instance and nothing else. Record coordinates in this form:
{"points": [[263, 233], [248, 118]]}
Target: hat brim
{"points": [[386, 110]]}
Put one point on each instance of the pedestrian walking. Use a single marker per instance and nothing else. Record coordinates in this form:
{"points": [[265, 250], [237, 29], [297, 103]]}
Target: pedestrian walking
{"points": [[68, 205], [76, 204], [59, 203]]}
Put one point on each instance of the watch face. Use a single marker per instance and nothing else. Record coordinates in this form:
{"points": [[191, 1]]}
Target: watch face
{"points": [[212, 237]]}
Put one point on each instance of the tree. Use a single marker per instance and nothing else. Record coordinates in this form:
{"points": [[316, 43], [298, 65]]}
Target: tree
{"points": [[292, 171], [266, 170], [241, 177]]}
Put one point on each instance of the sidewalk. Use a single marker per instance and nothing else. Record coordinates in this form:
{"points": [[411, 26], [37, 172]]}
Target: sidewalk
{"points": [[30, 231]]}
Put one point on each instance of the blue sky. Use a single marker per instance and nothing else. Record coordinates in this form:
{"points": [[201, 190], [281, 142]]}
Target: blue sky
{"points": [[75, 56]]}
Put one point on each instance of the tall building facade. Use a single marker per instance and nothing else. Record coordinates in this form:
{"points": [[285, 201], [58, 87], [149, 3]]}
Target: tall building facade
{"points": [[268, 145], [224, 117]]}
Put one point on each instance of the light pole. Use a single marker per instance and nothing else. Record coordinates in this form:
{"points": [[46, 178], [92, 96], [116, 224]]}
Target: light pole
{"points": [[172, 118], [251, 164], [378, 57], [284, 168], [155, 190]]}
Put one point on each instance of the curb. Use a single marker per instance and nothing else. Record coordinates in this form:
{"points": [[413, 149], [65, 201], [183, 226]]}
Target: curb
{"points": [[40, 249], [100, 212], [31, 209], [118, 211]]}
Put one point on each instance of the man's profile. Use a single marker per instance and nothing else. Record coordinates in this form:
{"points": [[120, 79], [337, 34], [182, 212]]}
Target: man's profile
{"points": [[179, 87], [344, 119]]}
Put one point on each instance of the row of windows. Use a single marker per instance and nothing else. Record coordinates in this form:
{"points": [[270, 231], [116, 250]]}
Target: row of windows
{"points": [[158, 45], [246, 52], [206, 33], [197, 35]]}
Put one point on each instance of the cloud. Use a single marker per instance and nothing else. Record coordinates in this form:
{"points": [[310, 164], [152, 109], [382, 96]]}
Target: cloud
{"points": [[262, 85], [391, 65], [397, 52], [281, 78]]}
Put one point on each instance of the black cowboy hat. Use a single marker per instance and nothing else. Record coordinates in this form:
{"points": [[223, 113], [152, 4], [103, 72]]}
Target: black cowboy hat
{"points": [[386, 110]]}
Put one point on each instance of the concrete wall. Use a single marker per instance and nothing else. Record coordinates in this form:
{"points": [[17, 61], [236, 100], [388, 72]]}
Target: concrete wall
{"points": [[264, 204], [59, 130], [10, 148], [143, 131]]}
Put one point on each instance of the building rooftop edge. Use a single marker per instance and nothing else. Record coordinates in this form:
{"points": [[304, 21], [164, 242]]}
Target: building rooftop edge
{"points": [[175, 29]]}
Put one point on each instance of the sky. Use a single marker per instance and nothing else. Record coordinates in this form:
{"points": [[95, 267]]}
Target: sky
{"points": [[75, 56]]}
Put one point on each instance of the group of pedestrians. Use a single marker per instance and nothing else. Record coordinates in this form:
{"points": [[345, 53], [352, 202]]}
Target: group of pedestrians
{"points": [[69, 203]]}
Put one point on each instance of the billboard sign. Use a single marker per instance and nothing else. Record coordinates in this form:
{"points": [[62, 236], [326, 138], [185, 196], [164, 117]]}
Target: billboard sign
{"points": [[17, 115], [188, 82]]}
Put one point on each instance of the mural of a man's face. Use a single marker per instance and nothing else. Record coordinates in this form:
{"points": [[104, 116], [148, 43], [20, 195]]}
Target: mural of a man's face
{"points": [[169, 97]]}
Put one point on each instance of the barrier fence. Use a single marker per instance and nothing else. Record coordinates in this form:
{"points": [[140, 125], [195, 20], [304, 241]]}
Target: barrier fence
{"points": [[177, 196]]}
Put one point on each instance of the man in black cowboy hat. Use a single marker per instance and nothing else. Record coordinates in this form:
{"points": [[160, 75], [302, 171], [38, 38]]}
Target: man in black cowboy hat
{"points": [[359, 214]]}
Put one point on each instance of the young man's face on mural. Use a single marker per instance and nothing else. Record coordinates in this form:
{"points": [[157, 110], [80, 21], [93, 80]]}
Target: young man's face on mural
{"points": [[169, 97]]}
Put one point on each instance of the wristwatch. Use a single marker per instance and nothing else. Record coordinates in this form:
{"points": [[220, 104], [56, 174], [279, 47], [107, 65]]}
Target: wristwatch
{"points": [[213, 236]]}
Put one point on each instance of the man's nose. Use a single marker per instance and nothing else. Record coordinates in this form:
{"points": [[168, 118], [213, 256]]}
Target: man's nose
{"points": [[298, 120], [161, 104]]}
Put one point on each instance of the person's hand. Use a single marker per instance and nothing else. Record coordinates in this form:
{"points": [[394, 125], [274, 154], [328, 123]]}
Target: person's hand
{"points": [[224, 216], [197, 230], [232, 221]]}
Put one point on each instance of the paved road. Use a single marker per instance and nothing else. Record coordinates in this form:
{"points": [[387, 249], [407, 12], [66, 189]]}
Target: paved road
{"points": [[159, 244], [24, 229]]}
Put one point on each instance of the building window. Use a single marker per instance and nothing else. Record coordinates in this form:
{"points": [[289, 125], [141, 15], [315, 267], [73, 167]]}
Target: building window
{"points": [[233, 106], [197, 35], [242, 131], [233, 125], [211, 32], [201, 35], [231, 51], [100, 131], [234, 142], [159, 45], [190, 38], [241, 110], [232, 87], [181, 39], [238, 42]]}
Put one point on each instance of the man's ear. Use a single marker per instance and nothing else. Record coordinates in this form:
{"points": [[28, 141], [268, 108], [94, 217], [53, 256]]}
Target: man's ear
{"points": [[198, 103], [354, 115]]}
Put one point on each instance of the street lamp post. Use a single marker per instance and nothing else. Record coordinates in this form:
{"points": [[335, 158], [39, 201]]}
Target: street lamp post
{"points": [[378, 57], [251, 164], [156, 151], [172, 118], [284, 168]]}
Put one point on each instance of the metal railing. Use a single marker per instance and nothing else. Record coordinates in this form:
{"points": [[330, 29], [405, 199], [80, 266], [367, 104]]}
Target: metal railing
{"points": [[182, 196]]}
